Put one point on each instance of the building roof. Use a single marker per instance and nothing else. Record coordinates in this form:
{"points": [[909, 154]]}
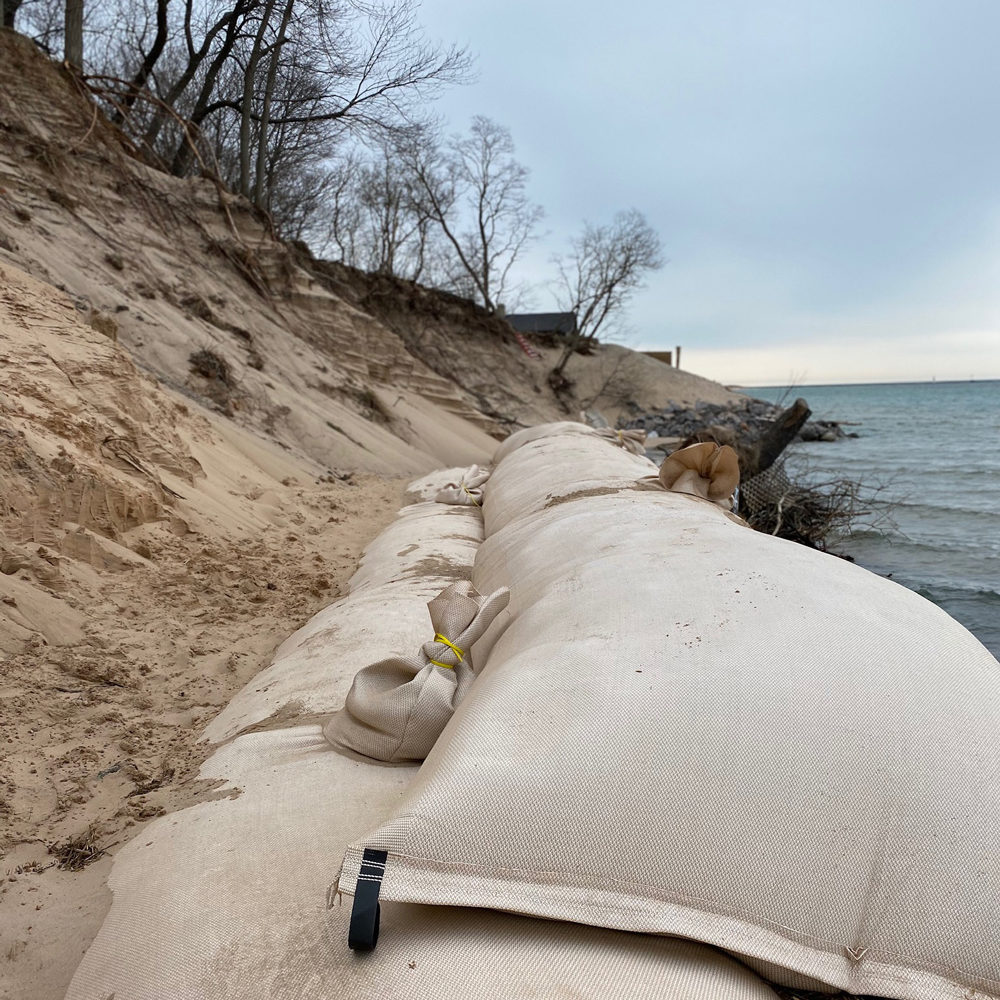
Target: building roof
{"points": [[543, 322]]}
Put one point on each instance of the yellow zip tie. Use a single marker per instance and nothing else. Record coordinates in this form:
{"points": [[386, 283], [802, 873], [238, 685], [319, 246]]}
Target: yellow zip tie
{"points": [[438, 637], [471, 497]]}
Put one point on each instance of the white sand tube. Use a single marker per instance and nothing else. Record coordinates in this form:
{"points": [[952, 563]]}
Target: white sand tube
{"points": [[426, 548], [687, 727], [228, 899]]}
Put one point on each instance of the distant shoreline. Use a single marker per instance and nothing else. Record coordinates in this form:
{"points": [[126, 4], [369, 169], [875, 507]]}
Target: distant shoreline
{"points": [[845, 385]]}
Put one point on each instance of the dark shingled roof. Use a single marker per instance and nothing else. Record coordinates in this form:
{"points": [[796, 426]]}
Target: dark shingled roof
{"points": [[543, 322]]}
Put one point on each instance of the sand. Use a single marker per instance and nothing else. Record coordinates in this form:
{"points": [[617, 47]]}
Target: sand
{"points": [[153, 556]]}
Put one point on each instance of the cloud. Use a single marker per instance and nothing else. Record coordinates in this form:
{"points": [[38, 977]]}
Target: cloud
{"points": [[819, 172], [951, 355]]}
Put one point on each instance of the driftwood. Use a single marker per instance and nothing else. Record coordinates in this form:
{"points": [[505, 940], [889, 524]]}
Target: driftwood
{"points": [[756, 456], [759, 453]]}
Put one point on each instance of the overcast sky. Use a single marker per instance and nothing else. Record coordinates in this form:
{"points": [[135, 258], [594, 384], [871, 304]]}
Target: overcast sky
{"points": [[825, 176]]}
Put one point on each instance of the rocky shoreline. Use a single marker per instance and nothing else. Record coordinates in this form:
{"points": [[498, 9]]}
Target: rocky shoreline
{"points": [[674, 425]]}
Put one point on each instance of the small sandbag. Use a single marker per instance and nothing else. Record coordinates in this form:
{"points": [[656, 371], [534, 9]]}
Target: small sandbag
{"points": [[703, 470], [397, 707], [631, 440], [467, 492]]}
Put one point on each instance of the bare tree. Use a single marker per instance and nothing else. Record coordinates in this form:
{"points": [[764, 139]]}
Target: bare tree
{"points": [[369, 67], [43, 21], [171, 94], [246, 110], [267, 93], [204, 105], [265, 118], [396, 232], [607, 266], [372, 221], [335, 231], [475, 191]]}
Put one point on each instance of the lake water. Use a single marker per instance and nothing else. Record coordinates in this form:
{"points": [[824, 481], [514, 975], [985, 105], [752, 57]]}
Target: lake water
{"points": [[936, 447]]}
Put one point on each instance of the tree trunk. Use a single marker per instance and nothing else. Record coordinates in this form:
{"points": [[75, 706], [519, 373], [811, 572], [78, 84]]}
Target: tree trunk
{"points": [[247, 109], [74, 33], [575, 342], [184, 153], [9, 10], [194, 61], [138, 82], [778, 435], [265, 117], [568, 351]]}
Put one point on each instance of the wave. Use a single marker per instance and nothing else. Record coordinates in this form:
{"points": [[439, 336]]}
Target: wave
{"points": [[944, 547], [951, 507], [959, 592], [974, 607], [915, 470]]}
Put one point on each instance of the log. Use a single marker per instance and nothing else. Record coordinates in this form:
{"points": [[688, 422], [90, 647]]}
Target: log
{"points": [[763, 453]]}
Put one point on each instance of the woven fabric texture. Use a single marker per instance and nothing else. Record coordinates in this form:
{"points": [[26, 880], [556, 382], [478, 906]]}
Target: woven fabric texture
{"points": [[397, 707], [690, 728], [587, 466], [560, 429], [228, 901]]}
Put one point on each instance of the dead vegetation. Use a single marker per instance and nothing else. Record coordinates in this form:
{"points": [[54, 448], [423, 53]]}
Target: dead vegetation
{"points": [[811, 512], [220, 384], [212, 366], [76, 853], [372, 407], [31, 868]]}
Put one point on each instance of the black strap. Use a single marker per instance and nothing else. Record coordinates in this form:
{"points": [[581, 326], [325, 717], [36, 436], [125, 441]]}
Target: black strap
{"points": [[363, 932]]}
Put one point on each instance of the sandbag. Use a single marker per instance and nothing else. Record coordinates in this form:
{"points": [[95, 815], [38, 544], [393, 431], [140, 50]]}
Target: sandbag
{"points": [[561, 428], [690, 728], [228, 900], [397, 707], [631, 440], [427, 487], [705, 470], [588, 466], [466, 490]]}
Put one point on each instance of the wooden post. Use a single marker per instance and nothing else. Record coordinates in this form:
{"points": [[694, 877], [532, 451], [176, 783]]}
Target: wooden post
{"points": [[678, 355]]}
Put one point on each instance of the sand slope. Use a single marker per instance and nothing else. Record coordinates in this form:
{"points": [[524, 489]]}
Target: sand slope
{"points": [[152, 555], [321, 358]]}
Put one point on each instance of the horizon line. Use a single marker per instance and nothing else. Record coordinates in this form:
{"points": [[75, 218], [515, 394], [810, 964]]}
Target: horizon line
{"points": [[832, 385]]}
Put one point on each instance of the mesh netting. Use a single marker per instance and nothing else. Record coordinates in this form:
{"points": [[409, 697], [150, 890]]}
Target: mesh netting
{"points": [[765, 489]]}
